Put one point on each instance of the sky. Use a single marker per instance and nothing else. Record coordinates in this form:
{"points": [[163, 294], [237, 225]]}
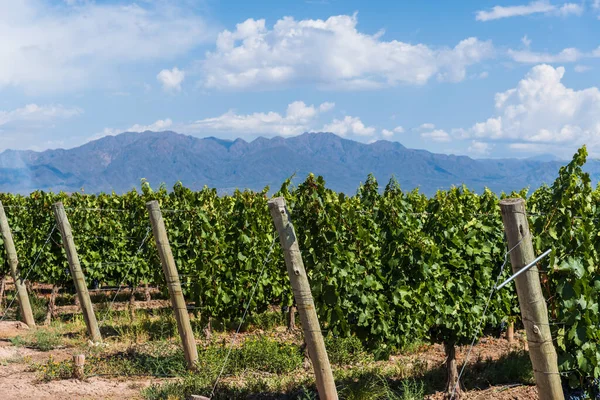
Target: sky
{"points": [[478, 78]]}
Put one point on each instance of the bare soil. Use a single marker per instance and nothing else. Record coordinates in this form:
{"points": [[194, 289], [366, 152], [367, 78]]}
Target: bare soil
{"points": [[19, 381], [10, 329]]}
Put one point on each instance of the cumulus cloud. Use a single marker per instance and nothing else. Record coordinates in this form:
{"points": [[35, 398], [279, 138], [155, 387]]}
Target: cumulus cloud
{"points": [[582, 68], [535, 7], [437, 135], [296, 120], [160, 125], [530, 57], [570, 9], [331, 53], [171, 79], [542, 110], [389, 133], [31, 126], [349, 125], [36, 113], [60, 48], [327, 106], [480, 148], [428, 126]]}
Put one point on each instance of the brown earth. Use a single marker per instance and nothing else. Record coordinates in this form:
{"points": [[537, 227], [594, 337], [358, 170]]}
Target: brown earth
{"points": [[17, 381]]}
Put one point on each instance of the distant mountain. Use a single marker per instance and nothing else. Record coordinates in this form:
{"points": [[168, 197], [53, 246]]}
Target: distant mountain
{"points": [[119, 162]]}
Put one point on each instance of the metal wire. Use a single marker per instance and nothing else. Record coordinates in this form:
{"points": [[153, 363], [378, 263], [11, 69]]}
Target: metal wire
{"points": [[267, 259], [99, 209], [487, 303], [29, 271], [124, 277]]}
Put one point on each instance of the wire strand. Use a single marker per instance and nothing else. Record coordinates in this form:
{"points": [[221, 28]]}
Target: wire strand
{"points": [[487, 303], [29, 271], [267, 259], [124, 277]]}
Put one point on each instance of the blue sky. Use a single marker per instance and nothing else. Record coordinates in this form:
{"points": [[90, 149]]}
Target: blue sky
{"points": [[480, 78]]}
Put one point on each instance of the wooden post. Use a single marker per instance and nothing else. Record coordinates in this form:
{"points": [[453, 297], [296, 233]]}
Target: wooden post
{"points": [[79, 366], [510, 332], [76, 272], [13, 261], [172, 278], [2, 287], [304, 299], [531, 301], [50, 313]]}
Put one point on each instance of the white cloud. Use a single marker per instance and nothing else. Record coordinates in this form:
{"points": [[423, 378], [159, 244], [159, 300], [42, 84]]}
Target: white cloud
{"points": [[389, 133], [297, 119], [160, 125], [172, 79], [596, 4], [535, 7], [327, 106], [480, 148], [541, 109], [60, 48], [349, 125], [33, 126], [530, 57], [498, 12], [582, 68], [34, 113], [330, 53], [526, 41], [570, 8], [428, 126], [437, 135]]}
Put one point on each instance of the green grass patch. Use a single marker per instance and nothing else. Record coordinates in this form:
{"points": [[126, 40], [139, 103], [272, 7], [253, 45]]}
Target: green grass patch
{"points": [[345, 351], [40, 339]]}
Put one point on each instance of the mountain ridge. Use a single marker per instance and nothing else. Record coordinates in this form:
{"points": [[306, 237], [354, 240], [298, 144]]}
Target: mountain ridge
{"points": [[118, 163]]}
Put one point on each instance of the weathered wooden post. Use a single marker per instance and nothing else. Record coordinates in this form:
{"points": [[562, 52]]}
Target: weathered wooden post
{"points": [[172, 278], [76, 272], [79, 366], [304, 300], [13, 261], [531, 301]]}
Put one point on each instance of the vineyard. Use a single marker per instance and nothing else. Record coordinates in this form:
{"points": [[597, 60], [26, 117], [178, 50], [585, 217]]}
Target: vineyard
{"points": [[386, 266]]}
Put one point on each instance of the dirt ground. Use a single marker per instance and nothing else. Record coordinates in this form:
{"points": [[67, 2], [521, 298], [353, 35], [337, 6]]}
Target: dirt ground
{"points": [[18, 381]]}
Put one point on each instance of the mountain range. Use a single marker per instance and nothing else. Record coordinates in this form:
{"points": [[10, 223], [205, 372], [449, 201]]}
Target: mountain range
{"points": [[118, 163]]}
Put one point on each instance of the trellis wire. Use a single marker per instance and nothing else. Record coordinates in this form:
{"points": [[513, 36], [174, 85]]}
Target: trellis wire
{"points": [[37, 257], [124, 277], [487, 303], [267, 259]]}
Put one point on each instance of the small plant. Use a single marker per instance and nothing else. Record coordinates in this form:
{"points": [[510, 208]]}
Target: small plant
{"points": [[265, 355], [344, 351], [40, 339], [412, 390], [54, 370], [369, 387], [47, 340], [266, 321]]}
